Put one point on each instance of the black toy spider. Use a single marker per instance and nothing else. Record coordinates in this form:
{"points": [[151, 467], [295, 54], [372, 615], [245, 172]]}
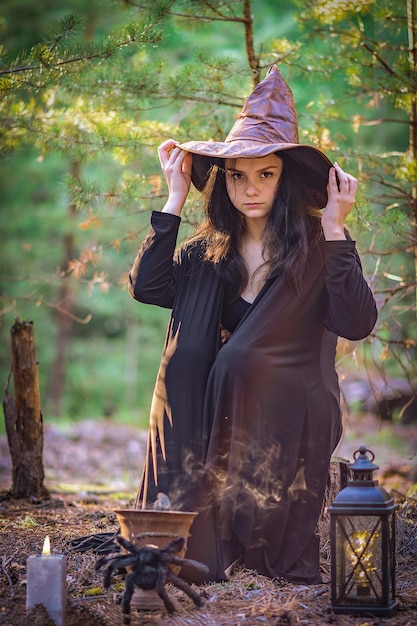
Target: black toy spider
{"points": [[149, 568]]}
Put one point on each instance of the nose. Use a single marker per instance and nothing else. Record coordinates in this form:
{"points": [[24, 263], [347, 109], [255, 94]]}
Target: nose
{"points": [[251, 188]]}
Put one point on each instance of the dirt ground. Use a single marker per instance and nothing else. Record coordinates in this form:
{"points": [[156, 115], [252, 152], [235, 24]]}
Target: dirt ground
{"points": [[93, 468]]}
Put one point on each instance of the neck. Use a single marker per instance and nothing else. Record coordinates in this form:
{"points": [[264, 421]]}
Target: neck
{"points": [[254, 230], [250, 249]]}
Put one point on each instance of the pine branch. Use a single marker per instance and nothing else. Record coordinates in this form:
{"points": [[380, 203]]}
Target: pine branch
{"points": [[69, 25], [217, 16], [47, 57], [76, 59], [366, 46]]}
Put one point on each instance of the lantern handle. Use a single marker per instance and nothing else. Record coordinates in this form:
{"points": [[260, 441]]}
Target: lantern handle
{"points": [[362, 452]]}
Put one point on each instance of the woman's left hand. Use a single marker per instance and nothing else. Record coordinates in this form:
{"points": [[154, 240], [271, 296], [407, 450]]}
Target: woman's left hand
{"points": [[341, 199]]}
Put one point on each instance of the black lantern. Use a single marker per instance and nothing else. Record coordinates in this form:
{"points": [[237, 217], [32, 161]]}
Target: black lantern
{"points": [[362, 535]]}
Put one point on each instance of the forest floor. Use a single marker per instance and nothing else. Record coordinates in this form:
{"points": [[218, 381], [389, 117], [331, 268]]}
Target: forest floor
{"points": [[92, 468]]}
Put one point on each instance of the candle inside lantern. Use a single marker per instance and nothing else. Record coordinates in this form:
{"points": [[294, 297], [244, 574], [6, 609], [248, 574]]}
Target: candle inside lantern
{"points": [[360, 554], [46, 582]]}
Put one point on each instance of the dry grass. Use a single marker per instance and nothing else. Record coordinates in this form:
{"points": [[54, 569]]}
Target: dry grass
{"points": [[110, 455], [245, 600]]}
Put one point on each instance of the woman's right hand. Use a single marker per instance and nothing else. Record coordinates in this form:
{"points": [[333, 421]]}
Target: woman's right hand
{"points": [[176, 166]]}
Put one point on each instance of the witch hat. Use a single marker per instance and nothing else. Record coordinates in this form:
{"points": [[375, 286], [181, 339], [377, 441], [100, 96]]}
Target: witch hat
{"points": [[267, 124]]}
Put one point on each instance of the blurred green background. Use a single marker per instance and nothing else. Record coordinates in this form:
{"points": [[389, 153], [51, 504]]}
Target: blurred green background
{"points": [[89, 90]]}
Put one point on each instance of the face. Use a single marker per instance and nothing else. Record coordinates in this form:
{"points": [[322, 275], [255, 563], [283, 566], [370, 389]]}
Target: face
{"points": [[252, 185]]}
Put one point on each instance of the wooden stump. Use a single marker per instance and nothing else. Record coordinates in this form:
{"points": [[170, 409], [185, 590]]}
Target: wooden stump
{"points": [[339, 474], [23, 417]]}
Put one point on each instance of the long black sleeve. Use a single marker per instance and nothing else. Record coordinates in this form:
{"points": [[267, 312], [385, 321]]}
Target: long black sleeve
{"points": [[152, 278], [352, 311]]}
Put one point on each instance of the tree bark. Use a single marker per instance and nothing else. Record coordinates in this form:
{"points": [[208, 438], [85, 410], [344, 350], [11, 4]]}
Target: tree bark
{"points": [[253, 60], [63, 318], [23, 417], [412, 58], [339, 474]]}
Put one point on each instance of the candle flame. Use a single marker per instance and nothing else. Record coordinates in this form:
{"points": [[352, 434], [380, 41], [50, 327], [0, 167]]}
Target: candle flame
{"points": [[46, 546], [361, 555]]}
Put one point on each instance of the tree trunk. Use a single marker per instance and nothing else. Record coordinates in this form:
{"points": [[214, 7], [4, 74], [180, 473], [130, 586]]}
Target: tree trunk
{"points": [[253, 60], [63, 319], [339, 474], [23, 417], [412, 57]]}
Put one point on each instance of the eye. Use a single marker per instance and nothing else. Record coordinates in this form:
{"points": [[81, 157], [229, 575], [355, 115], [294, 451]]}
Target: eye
{"points": [[267, 174], [236, 175]]}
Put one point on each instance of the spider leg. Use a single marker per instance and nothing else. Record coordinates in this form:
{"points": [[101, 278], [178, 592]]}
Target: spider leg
{"points": [[184, 586], [176, 560], [162, 592], [107, 577], [116, 563], [108, 571], [100, 562], [106, 558], [127, 545], [127, 597], [174, 546]]}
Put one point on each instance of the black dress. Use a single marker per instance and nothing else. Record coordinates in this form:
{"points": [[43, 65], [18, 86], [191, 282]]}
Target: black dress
{"points": [[244, 432]]}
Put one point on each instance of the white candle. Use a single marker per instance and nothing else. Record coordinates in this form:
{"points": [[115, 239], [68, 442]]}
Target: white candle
{"points": [[46, 583]]}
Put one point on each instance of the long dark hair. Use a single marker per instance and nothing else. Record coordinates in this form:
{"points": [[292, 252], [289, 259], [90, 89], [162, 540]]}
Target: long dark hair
{"points": [[292, 226]]}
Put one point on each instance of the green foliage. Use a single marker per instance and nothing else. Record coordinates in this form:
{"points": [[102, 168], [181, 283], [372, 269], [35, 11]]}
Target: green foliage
{"points": [[87, 98], [369, 118]]}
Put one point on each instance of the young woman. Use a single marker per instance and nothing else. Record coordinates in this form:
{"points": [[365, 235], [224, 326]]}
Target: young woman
{"points": [[242, 429]]}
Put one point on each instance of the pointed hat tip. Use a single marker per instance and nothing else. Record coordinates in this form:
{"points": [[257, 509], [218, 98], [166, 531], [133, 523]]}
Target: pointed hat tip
{"points": [[267, 124]]}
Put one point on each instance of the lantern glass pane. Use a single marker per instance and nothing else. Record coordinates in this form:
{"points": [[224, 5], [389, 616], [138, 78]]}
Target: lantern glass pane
{"points": [[359, 566]]}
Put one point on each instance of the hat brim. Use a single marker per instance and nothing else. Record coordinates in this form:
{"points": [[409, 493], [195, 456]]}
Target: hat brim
{"points": [[315, 164]]}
